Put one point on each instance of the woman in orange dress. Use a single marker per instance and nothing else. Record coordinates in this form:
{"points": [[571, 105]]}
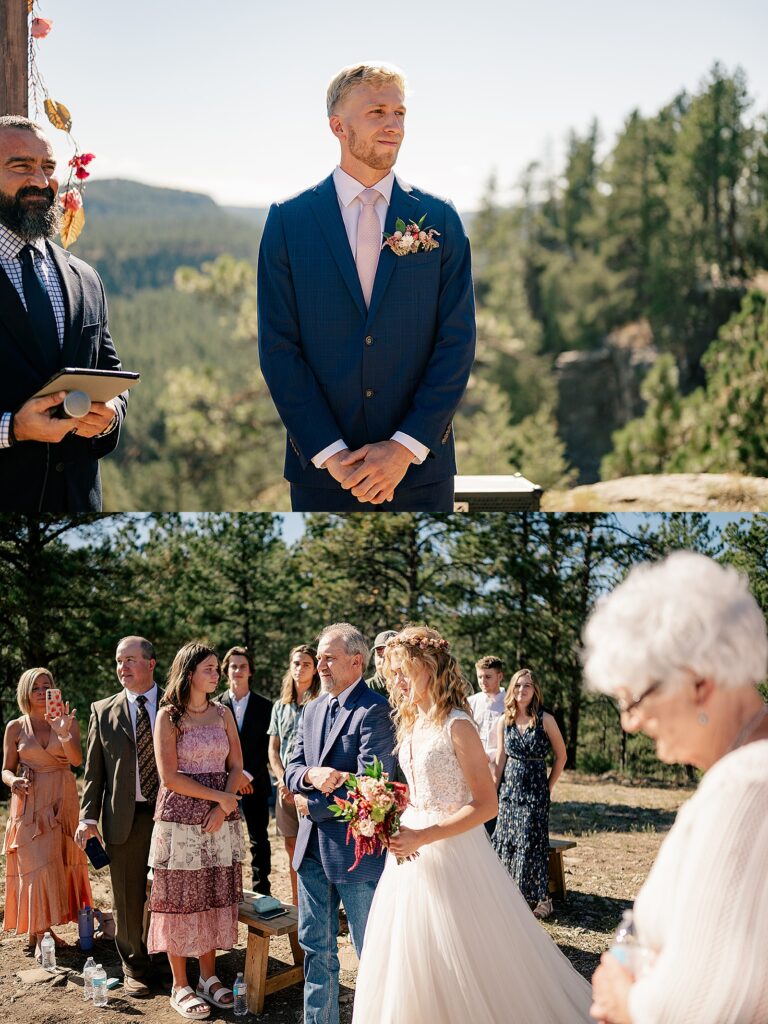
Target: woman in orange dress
{"points": [[46, 879]]}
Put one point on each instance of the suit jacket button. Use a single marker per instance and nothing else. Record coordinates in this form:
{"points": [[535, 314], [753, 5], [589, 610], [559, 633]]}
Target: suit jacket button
{"points": [[369, 340], [59, 467], [369, 393]]}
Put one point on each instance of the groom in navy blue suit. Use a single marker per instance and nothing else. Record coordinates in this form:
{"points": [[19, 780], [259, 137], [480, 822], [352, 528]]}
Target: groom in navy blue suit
{"points": [[339, 734], [366, 353]]}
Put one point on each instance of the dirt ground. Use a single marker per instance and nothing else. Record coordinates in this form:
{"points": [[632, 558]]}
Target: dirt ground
{"points": [[618, 829]]}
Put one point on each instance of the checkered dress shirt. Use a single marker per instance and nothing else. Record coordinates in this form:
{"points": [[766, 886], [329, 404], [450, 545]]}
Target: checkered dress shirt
{"points": [[10, 247]]}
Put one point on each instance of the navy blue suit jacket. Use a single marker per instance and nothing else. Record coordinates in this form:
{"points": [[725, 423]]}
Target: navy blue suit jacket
{"points": [[87, 343], [362, 730], [338, 370]]}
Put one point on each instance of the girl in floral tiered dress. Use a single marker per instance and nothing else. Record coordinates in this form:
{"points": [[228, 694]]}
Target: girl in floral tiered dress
{"points": [[197, 844]]}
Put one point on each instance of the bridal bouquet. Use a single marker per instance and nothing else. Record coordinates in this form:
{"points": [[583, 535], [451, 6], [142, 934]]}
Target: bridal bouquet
{"points": [[372, 810]]}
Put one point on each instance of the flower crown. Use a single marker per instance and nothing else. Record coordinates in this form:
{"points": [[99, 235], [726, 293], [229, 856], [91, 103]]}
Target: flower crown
{"points": [[422, 643]]}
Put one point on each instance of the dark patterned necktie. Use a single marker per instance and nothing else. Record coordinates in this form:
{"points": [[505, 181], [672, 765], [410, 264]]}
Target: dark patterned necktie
{"points": [[42, 319], [330, 717], [145, 752]]}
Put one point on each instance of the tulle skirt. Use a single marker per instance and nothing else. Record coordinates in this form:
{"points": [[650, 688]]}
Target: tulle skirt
{"points": [[450, 939]]}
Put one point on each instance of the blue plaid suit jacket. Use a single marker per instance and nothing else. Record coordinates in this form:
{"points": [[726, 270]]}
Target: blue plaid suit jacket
{"points": [[336, 370], [362, 730]]}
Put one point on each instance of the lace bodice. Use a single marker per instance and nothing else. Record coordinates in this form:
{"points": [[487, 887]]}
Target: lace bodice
{"points": [[434, 776]]}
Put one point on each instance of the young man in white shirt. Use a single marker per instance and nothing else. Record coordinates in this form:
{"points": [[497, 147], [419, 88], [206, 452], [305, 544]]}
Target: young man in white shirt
{"points": [[487, 707]]}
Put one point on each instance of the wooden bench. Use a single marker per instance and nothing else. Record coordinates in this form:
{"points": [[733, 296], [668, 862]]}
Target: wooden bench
{"points": [[557, 848], [257, 952]]}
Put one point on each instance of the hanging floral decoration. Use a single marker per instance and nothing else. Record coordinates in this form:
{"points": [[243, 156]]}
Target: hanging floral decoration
{"points": [[71, 193]]}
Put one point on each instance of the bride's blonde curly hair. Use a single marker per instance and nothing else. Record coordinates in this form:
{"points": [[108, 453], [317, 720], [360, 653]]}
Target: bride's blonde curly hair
{"points": [[447, 686]]}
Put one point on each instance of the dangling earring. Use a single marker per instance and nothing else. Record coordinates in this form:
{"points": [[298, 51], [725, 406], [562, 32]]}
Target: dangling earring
{"points": [[703, 718]]}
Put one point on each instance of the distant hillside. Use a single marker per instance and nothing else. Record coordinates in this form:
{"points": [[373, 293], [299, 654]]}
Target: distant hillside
{"points": [[138, 235], [118, 197], [253, 214]]}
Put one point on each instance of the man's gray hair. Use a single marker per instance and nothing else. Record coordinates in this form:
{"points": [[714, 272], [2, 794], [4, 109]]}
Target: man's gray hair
{"points": [[147, 649], [353, 640], [17, 121], [366, 73], [686, 614]]}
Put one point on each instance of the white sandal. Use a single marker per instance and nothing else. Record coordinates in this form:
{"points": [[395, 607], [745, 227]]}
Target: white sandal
{"points": [[178, 995], [204, 991]]}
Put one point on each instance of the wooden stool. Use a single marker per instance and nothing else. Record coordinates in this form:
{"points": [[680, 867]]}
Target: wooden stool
{"points": [[257, 952], [556, 885]]}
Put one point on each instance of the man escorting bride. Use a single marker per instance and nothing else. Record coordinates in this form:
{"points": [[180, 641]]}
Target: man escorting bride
{"points": [[442, 915]]}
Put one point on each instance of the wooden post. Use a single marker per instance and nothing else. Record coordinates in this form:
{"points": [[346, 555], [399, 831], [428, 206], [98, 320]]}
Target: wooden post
{"points": [[14, 78]]}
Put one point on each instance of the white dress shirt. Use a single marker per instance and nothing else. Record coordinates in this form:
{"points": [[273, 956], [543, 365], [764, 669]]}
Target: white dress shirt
{"points": [[486, 711], [238, 709], [347, 190]]}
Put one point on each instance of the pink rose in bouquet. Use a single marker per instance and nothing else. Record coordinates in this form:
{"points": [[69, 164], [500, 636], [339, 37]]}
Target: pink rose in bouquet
{"points": [[372, 811]]}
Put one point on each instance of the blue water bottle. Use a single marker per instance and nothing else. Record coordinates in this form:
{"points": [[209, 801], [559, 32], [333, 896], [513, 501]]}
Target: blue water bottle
{"points": [[85, 928]]}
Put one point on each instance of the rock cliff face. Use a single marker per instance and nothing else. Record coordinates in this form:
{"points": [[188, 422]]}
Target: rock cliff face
{"points": [[599, 391], [674, 492]]}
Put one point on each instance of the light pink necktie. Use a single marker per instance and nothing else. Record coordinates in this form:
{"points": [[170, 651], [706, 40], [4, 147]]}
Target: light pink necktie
{"points": [[368, 241]]}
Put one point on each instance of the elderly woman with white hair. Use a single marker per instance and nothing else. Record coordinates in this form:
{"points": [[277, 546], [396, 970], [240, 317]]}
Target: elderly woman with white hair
{"points": [[681, 645]]}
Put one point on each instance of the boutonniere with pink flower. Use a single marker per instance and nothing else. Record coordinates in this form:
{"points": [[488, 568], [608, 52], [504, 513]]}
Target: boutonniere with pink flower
{"points": [[411, 237]]}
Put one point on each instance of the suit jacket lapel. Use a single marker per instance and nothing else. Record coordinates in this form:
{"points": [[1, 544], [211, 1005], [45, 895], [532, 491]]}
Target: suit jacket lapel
{"points": [[72, 290], [326, 209], [123, 717], [14, 317], [402, 204]]}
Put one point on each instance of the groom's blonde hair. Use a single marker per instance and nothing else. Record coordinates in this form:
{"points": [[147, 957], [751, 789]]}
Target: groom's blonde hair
{"points": [[367, 73]]}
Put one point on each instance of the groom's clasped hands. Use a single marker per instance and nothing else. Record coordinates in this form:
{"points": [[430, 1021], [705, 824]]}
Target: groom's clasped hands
{"points": [[372, 472]]}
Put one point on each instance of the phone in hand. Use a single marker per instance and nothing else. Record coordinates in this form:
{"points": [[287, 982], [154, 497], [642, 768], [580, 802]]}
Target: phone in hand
{"points": [[54, 706], [97, 855]]}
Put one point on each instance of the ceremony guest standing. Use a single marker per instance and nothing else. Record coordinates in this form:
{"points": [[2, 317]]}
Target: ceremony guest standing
{"points": [[301, 683], [197, 843], [252, 714], [366, 352], [681, 646], [524, 735], [341, 732], [120, 788], [53, 314], [487, 706], [377, 681], [46, 874]]}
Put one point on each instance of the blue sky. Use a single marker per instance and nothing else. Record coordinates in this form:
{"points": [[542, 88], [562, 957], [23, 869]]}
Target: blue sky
{"points": [[293, 522], [229, 99]]}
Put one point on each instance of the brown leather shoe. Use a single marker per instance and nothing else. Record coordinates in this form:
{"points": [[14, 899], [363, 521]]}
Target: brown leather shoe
{"points": [[135, 987]]}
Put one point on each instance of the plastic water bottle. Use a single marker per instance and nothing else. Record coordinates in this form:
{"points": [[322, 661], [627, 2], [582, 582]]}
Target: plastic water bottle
{"points": [[240, 991], [624, 942], [99, 983], [48, 953], [90, 967]]}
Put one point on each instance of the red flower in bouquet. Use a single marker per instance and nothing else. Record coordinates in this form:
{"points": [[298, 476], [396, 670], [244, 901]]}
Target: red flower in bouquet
{"points": [[79, 162], [372, 811]]}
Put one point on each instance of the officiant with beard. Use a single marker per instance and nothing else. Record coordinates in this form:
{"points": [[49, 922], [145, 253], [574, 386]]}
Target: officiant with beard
{"points": [[53, 314]]}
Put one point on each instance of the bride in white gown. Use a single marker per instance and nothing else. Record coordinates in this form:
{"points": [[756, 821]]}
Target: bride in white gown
{"points": [[449, 938]]}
